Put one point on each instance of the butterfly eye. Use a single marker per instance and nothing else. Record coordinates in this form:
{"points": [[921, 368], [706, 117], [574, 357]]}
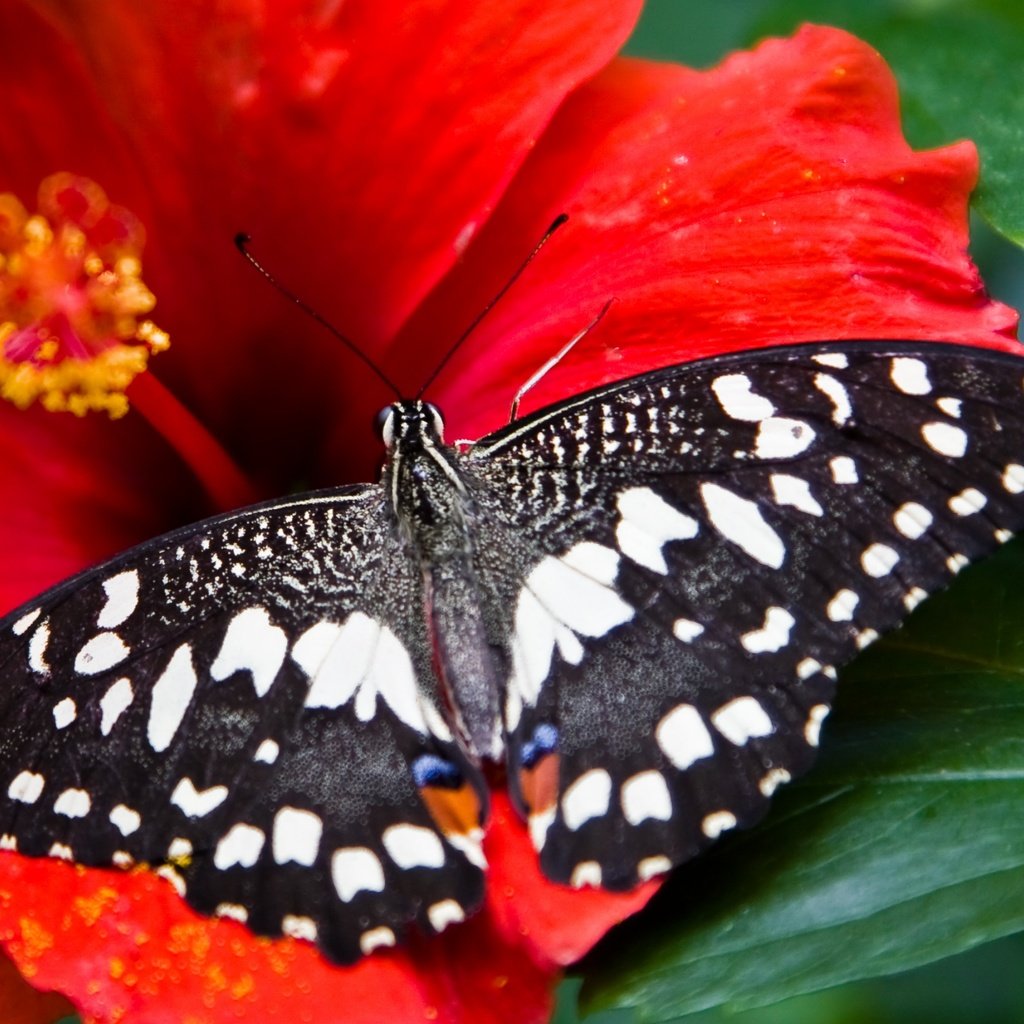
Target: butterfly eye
{"points": [[384, 424], [437, 418]]}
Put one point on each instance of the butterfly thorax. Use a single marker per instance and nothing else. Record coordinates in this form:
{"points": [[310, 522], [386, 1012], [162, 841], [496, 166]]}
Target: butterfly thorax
{"points": [[432, 501]]}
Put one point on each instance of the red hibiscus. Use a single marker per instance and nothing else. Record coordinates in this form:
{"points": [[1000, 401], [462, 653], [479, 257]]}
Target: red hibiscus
{"points": [[394, 161]]}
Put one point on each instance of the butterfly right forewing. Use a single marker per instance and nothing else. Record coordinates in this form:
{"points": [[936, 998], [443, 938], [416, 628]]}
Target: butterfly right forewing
{"points": [[722, 535]]}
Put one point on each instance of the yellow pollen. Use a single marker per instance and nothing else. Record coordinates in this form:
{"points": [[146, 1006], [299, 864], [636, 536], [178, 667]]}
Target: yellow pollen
{"points": [[74, 327]]}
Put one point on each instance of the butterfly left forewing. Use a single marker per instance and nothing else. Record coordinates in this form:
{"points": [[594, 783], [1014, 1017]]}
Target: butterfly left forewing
{"points": [[723, 535], [247, 706]]}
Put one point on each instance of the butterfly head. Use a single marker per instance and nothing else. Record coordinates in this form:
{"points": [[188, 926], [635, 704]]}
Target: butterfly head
{"points": [[410, 423]]}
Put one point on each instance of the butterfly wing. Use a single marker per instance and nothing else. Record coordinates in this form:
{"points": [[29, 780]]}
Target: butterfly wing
{"points": [[248, 706], [708, 543]]}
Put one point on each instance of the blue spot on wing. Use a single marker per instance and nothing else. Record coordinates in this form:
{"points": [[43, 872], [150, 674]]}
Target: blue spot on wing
{"points": [[543, 741], [431, 770]]}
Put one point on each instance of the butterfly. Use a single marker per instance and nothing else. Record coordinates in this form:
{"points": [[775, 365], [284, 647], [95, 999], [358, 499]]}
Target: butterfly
{"points": [[635, 600]]}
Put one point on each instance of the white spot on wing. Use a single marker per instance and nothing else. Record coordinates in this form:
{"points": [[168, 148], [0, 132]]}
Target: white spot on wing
{"points": [[812, 730], [878, 560], [232, 911], [172, 694], [297, 834], [267, 752], [73, 803], [114, 703], [444, 913], [179, 850], [586, 873], [412, 846], [64, 713], [687, 630], [298, 926], [1013, 478], [782, 438], [647, 523], [122, 598], [967, 502], [771, 781], [356, 869], [683, 737], [741, 720], [956, 562], [563, 597], [125, 819], [791, 490], [837, 394], [37, 648], [21, 626], [538, 824], [103, 651], [773, 635], [945, 438], [586, 797], [842, 606], [912, 519], [734, 394], [376, 938], [865, 638], [837, 360], [650, 867], [251, 644], [645, 795], [359, 660], [241, 845], [910, 376], [807, 668], [844, 469], [717, 822], [27, 787], [740, 521], [194, 802]]}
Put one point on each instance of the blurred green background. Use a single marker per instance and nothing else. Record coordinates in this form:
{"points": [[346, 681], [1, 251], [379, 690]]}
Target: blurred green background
{"points": [[960, 66]]}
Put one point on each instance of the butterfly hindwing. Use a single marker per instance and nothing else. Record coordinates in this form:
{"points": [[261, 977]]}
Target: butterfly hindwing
{"points": [[726, 533], [241, 706]]}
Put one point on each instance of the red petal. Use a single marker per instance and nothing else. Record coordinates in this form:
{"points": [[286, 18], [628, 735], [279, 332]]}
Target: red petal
{"points": [[76, 491], [22, 1004], [557, 924], [772, 199], [361, 149], [126, 947]]}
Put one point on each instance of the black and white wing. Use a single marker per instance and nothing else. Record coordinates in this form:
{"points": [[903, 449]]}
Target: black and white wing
{"points": [[239, 705], [705, 545]]}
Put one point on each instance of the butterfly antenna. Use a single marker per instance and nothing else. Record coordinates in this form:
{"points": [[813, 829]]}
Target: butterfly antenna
{"points": [[242, 240], [554, 226], [554, 361]]}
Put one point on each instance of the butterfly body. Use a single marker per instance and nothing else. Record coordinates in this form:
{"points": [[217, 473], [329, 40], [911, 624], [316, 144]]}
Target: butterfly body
{"points": [[635, 599], [442, 518]]}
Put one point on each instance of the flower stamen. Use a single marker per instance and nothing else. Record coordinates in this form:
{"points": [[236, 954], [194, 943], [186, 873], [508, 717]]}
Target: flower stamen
{"points": [[74, 331]]}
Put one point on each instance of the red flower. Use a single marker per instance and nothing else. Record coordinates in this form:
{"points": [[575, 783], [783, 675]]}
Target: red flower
{"points": [[394, 161]]}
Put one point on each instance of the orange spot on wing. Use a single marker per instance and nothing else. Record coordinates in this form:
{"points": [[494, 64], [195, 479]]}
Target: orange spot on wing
{"points": [[539, 784], [455, 811]]}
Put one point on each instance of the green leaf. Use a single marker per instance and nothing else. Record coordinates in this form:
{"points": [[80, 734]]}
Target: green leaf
{"points": [[960, 65], [905, 844]]}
